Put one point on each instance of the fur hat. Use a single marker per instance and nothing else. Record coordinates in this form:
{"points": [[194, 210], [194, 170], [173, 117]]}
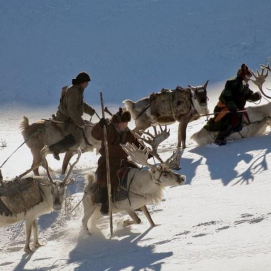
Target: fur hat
{"points": [[121, 116], [81, 78], [244, 71]]}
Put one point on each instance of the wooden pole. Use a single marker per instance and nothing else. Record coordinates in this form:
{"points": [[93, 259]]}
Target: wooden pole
{"points": [[239, 111], [107, 169]]}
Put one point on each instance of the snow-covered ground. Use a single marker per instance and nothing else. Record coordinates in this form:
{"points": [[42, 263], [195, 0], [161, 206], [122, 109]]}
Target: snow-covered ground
{"points": [[220, 220]]}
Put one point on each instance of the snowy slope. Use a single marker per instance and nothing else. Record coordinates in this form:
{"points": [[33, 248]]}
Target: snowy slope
{"points": [[220, 220]]}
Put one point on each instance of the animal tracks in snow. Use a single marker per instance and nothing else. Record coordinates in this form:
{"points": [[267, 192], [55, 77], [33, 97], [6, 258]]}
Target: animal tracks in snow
{"points": [[212, 227]]}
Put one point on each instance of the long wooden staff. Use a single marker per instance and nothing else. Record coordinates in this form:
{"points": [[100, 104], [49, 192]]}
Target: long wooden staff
{"points": [[107, 168]]}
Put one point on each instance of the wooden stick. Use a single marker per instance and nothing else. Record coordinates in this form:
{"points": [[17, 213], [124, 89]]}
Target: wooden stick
{"points": [[240, 111], [107, 169]]}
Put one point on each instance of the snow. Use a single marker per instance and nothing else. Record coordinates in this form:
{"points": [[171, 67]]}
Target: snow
{"points": [[220, 219]]}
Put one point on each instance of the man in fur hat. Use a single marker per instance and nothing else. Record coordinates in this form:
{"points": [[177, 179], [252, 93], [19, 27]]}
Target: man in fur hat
{"points": [[232, 100], [118, 133], [70, 111]]}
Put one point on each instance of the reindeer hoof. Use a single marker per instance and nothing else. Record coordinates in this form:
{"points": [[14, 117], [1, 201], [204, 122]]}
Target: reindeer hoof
{"points": [[28, 250], [126, 223], [37, 245]]}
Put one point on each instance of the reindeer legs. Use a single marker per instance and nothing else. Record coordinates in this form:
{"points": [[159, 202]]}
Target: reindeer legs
{"points": [[133, 215], [35, 233], [147, 214], [136, 219], [28, 227]]}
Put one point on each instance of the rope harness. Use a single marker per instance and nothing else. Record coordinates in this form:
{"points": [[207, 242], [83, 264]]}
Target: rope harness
{"points": [[35, 133]]}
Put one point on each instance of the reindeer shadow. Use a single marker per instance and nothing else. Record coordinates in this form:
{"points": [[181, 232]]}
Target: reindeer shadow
{"points": [[221, 161]]}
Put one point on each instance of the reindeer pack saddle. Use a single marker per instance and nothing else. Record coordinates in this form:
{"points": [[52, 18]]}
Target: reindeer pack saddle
{"points": [[19, 195], [171, 103]]}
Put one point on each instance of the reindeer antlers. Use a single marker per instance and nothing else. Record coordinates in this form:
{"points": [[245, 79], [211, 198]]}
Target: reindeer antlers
{"points": [[137, 155], [267, 67], [141, 155], [71, 167], [45, 151], [259, 80], [154, 140]]}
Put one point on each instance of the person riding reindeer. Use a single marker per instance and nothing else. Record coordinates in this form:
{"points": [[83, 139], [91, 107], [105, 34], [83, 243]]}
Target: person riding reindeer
{"points": [[230, 107], [70, 111], [118, 133]]}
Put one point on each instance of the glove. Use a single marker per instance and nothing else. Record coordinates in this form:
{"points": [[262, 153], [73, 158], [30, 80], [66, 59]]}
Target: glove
{"points": [[102, 122], [233, 110], [256, 96]]}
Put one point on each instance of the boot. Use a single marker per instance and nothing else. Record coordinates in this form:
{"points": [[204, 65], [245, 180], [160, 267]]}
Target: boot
{"points": [[62, 146], [221, 137], [104, 199]]}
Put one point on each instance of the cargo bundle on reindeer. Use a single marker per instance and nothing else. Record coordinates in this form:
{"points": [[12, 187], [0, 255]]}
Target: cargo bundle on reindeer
{"points": [[181, 104], [28, 198]]}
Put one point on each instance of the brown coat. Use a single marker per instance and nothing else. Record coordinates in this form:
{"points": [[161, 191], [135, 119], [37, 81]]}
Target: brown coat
{"points": [[71, 109], [72, 106], [117, 155]]}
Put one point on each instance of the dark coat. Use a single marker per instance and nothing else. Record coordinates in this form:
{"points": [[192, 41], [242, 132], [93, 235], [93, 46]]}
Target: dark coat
{"points": [[233, 98], [117, 156]]}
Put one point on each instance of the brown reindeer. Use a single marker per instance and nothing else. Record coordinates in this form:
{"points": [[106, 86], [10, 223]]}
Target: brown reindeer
{"points": [[46, 132], [28, 198], [181, 104]]}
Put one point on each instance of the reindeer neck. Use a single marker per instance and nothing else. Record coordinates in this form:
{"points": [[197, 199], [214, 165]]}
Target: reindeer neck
{"points": [[142, 182]]}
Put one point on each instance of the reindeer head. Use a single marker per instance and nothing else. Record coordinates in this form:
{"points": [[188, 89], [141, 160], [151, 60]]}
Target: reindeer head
{"points": [[58, 188], [200, 94], [162, 173]]}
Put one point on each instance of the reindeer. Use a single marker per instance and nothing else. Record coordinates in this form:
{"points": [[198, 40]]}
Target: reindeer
{"points": [[144, 186], [249, 129], [259, 117], [184, 109], [46, 132], [48, 195]]}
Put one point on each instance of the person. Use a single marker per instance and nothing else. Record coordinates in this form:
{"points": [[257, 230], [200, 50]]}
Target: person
{"points": [[118, 133], [70, 111], [230, 107]]}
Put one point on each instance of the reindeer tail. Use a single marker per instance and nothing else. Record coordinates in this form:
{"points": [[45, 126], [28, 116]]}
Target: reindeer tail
{"points": [[24, 124], [90, 179], [128, 105]]}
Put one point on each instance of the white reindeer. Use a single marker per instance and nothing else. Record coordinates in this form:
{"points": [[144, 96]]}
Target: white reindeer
{"points": [[259, 117], [256, 128], [145, 186], [52, 194]]}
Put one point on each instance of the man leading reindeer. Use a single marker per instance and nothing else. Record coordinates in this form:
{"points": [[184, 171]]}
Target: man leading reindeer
{"points": [[70, 111], [230, 107], [118, 133]]}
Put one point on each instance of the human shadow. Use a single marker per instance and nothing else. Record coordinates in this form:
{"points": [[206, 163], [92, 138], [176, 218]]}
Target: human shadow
{"points": [[188, 167], [222, 161], [97, 253]]}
